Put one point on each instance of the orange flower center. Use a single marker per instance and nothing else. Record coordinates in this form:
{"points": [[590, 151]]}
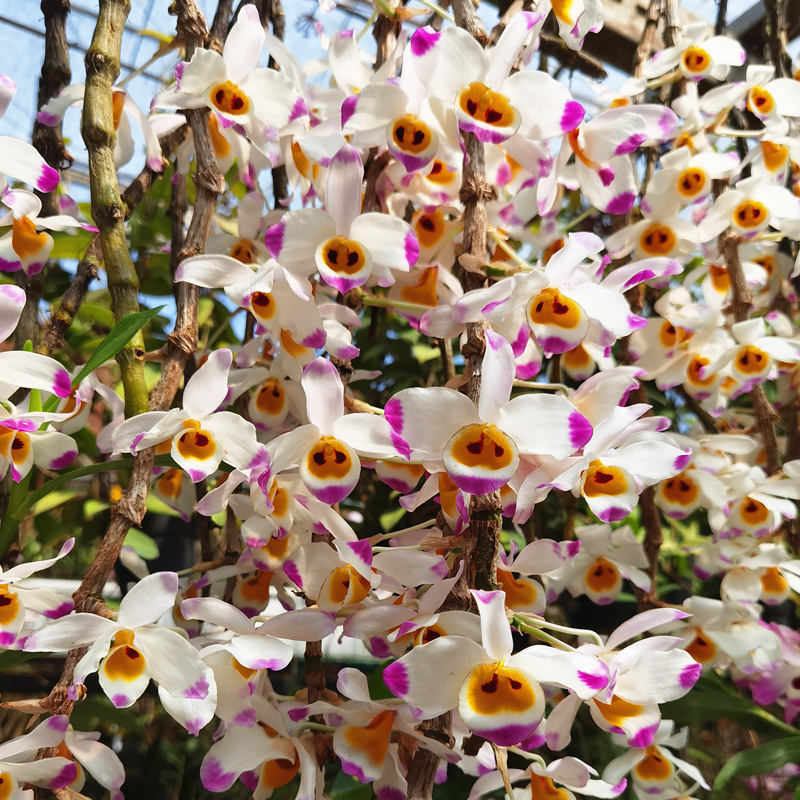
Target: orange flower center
{"points": [[550, 307], [702, 650], [483, 105], [603, 480], [494, 689], [696, 60], [423, 292], [691, 182], [411, 135], [602, 576], [271, 398], [244, 251], [750, 214], [482, 445], [329, 459], [220, 143], [657, 240], [618, 710], [680, 490], [24, 239], [343, 256], [229, 99], [751, 360]]}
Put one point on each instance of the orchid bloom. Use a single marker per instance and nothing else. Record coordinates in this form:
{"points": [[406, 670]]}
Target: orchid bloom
{"points": [[362, 737], [275, 296], [642, 675], [498, 695], [652, 768], [750, 208], [623, 445], [18, 765], [265, 756], [22, 444], [724, 632], [770, 99], [201, 436], [571, 775], [327, 448], [602, 147], [604, 559], [124, 110], [697, 55], [128, 652], [15, 601], [262, 101], [390, 629], [90, 755], [481, 447], [347, 248], [487, 101], [20, 160], [22, 247]]}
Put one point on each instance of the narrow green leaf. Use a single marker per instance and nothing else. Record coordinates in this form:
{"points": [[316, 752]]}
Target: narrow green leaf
{"points": [[764, 758], [102, 315], [709, 703], [10, 658], [142, 544], [117, 338], [70, 245]]}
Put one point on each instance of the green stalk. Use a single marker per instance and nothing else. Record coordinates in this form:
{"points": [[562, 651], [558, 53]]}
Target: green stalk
{"points": [[108, 212]]}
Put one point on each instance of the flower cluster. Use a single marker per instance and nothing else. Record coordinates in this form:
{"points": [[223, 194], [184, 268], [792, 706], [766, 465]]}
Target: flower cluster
{"points": [[677, 294]]}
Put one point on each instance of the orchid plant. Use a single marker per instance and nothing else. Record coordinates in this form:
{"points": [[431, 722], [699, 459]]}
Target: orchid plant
{"points": [[496, 387]]}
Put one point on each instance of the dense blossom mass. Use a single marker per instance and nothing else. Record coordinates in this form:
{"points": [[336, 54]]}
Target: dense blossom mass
{"points": [[588, 266]]}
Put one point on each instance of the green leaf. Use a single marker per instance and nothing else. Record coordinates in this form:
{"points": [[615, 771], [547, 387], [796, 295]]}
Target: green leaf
{"points": [[95, 709], [70, 245], [156, 506], [378, 690], [346, 787], [102, 315], [389, 519], [53, 500], [764, 758], [205, 308], [424, 353], [92, 507], [143, 545], [48, 529], [119, 336], [11, 658], [708, 702]]}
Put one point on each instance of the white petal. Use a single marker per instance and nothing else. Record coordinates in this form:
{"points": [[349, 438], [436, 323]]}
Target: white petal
{"points": [[149, 600], [244, 44], [324, 394]]}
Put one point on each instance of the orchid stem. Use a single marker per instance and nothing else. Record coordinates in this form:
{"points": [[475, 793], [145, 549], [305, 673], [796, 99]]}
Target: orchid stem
{"points": [[510, 252], [542, 623], [367, 25], [665, 80], [314, 726], [436, 10], [530, 756], [580, 218], [412, 529], [548, 387], [537, 633], [385, 302], [386, 549]]}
